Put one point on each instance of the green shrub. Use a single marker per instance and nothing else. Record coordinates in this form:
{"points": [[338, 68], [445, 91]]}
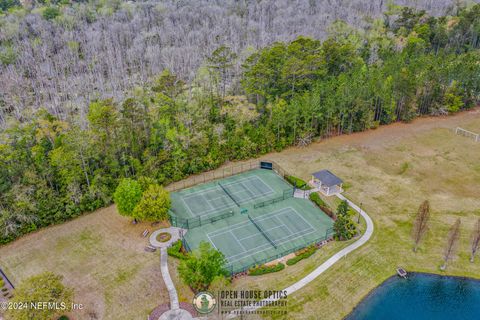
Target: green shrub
{"points": [[264, 269], [175, 250], [2, 282], [302, 254], [315, 198], [50, 13], [63, 318], [294, 181], [7, 55]]}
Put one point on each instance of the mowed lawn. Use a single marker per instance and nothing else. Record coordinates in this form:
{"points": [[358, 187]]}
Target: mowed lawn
{"points": [[390, 171], [100, 255]]}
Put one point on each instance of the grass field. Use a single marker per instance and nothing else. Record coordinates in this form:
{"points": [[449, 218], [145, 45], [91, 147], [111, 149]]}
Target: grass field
{"points": [[390, 171], [101, 256]]}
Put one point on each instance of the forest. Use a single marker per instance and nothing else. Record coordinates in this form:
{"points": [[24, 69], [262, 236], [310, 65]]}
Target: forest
{"points": [[59, 159], [62, 54]]}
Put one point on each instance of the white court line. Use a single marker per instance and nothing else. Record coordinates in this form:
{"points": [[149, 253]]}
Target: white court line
{"points": [[191, 211], [279, 221], [254, 176], [250, 197], [238, 225], [321, 268], [251, 236], [285, 239], [236, 239], [213, 210], [254, 235], [298, 214], [270, 190], [213, 244], [279, 242], [218, 188]]}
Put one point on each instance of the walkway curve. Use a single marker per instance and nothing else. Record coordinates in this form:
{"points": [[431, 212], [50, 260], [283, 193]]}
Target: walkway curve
{"points": [[324, 266], [172, 292]]}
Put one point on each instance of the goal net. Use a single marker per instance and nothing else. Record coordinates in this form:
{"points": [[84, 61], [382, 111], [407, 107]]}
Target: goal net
{"points": [[468, 134]]}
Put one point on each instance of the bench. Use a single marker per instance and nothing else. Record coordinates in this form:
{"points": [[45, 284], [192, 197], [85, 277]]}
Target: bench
{"points": [[150, 249]]}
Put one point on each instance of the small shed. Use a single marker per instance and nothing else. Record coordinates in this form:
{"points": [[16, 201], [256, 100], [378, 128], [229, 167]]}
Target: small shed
{"points": [[327, 183]]}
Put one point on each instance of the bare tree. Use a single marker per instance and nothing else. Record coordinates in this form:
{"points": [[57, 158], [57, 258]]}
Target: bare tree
{"points": [[475, 239], [98, 56], [453, 237], [420, 225]]}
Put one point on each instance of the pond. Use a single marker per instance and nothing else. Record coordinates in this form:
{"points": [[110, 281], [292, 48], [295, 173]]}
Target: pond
{"points": [[421, 296]]}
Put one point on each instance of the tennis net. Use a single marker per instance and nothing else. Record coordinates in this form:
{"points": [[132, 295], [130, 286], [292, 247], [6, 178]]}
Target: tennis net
{"points": [[229, 194], [262, 232]]}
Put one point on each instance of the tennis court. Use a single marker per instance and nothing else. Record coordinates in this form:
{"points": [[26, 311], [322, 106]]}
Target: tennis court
{"points": [[211, 199], [256, 235], [252, 218], [264, 234]]}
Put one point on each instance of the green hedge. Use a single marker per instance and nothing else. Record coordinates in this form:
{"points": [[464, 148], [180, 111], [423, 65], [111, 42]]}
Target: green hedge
{"points": [[294, 181], [263, 269], [302, 254], [315, 198], [175, 250]]}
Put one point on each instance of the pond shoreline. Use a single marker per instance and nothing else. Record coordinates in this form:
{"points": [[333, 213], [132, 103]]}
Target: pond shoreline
{"points": [[389, 283]]}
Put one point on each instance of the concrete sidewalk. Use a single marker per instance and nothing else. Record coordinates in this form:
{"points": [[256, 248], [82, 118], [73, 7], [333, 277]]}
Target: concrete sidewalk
{"points": [[327, 264], [172, 292]]}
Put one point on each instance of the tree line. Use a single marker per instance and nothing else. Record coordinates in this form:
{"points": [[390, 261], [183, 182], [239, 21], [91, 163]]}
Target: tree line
{"points": [[54, 167]]}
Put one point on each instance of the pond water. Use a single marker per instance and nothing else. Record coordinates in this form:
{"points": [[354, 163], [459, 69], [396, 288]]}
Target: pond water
{"points": [[421, 296]]}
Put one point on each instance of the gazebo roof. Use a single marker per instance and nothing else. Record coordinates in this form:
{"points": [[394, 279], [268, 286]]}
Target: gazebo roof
{"points": [[327, 178]]}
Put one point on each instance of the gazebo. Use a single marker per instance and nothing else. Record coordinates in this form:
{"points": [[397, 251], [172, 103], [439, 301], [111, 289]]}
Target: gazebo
{"points": [[327, 183]]}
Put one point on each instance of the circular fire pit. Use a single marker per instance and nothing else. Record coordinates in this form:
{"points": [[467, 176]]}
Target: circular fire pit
{"points": [[163, 237]]}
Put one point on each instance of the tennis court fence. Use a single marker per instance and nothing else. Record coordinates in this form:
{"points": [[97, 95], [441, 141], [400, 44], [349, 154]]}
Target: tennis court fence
{"points": [[244, 268], [239, 268], [288, 193], [223, 173], [190, 223]]}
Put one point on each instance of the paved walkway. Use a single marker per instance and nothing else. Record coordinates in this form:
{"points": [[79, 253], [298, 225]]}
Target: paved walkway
{"points": [[327, 264], [175, 313], [172, 292], [304, 194]]}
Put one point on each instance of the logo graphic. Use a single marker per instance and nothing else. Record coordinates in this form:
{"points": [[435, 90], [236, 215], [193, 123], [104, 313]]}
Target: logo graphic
{"points": [[204, 302]]}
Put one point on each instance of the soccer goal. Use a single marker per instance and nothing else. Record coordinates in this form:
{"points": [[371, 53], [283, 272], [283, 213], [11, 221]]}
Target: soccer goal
{"points": [[468, 134]]}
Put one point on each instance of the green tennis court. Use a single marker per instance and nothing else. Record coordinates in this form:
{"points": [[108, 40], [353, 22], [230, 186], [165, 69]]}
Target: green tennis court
{"points": [[252, 218], [211, 199], [276, 230]]}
